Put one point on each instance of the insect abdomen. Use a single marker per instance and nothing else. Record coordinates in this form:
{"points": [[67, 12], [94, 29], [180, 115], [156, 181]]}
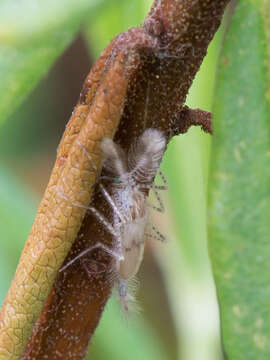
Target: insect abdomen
{"points": [[133, 247], [133, 258]]}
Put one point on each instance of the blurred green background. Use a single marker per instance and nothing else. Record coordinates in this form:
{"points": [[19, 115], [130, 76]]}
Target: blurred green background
{"points": [[44, 64]]}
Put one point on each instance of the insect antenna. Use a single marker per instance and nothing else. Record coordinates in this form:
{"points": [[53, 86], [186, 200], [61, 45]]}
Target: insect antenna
{"points": [[111, 252]]}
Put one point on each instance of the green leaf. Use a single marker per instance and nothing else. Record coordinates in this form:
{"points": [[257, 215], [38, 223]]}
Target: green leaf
{"points": [[239, 206], [17, 209], [185, 260], [32, 35], [115, 19], [137, 341]]}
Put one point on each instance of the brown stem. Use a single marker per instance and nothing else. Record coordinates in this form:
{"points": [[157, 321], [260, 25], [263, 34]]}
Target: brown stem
{"points": [[140, 81], [189, 117]]}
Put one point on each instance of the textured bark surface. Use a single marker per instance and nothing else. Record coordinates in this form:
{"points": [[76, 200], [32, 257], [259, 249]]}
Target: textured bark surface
{"points": [[140, 81]]}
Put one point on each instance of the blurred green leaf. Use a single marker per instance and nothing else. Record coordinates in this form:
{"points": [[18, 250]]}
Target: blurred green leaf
{"points": [[32, 35], [17, 209], [240, 185], [115, 19], [187, 174], [121, 339], [185, 259]]}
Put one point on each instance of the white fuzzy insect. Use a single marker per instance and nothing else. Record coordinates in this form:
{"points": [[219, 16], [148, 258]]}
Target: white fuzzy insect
{"points": [[132, 177]]}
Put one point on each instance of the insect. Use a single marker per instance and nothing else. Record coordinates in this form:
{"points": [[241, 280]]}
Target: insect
{"points": [[131, 177]]}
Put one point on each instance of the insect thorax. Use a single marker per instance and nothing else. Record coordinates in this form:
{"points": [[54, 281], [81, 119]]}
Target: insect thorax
{"points": [[130, 201]]}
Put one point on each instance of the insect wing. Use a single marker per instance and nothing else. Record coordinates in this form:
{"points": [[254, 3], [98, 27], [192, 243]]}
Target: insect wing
{"points": [[133, 247], [133, 258]]}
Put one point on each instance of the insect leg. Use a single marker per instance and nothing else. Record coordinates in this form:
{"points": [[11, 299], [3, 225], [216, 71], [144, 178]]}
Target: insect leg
{"points": [[155, 189], [112, 203], [103, 221], [94, 211], [157, 234], [87, 155], [159, 208], [165, 182], [111, 252], [158, 187]]}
